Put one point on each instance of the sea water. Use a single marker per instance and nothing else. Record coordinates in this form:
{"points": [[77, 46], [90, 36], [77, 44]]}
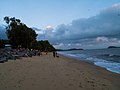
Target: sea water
{"points": [[106, 58]]}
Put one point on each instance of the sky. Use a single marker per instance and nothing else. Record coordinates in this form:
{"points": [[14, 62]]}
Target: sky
{"points": [[68, 23], [41, 13]]}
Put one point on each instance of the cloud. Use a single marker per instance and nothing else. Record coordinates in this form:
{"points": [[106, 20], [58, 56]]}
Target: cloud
{"points": [[2, 32], [49, 27], [101, 39], [86, 31], [98, 31]]}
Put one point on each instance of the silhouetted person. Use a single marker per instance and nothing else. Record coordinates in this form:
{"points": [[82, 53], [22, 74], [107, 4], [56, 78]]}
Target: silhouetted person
{"points": [[54, 54]]}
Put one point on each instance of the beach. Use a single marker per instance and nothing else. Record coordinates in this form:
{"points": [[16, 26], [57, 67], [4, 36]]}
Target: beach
{"points": [[61, 73]]}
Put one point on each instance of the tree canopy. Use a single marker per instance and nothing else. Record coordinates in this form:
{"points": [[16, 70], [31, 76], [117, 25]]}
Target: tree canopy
{"points": [[3, 42], [45, 46], [19, 34]]}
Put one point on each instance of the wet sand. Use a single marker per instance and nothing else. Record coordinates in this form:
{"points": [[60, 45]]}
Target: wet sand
{"points": [[48, 73]]}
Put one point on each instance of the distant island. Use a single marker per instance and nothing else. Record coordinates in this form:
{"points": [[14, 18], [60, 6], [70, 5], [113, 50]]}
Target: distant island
{"points": [[69, 49], [113, 47]]}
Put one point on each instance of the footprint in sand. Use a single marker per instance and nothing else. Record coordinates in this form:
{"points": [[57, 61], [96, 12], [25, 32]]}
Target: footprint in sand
{"points": [[70, 84], [93, 85], [67, 74], [90, 81], [55, 85], [73, 70], [19, 82], [80, 85], [104, 85], [19, 86], [82, 73], [32, 84]]}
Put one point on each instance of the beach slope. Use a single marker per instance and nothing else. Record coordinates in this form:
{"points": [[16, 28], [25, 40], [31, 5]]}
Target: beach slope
{"points": [[48, 73]]}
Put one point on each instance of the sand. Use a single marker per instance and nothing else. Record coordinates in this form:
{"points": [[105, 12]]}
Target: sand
{"points": [[48, 73]]}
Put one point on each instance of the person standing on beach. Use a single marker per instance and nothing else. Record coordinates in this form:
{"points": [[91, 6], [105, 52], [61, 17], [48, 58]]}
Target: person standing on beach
{"points": [[54, 54]]}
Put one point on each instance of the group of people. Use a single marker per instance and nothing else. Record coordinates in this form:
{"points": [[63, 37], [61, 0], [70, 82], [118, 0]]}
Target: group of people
{"points": [[55, 54]]}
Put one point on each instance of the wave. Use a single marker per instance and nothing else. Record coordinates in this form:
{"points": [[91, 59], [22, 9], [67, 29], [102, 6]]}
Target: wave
{"points": [[109, 65], [111, 55]]}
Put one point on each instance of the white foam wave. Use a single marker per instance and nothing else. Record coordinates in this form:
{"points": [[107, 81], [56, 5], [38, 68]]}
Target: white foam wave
{"points": [[111, 66]]}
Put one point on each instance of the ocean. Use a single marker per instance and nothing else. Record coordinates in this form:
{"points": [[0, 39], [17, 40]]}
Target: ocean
{"points": [[105, 58]]}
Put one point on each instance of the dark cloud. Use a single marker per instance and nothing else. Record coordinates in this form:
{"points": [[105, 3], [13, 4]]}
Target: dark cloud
{"points": [[87, 31], [98, 31]]}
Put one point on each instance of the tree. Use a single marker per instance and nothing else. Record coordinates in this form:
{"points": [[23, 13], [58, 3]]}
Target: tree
{"points": [[19, 34], [3, 42], [44, 46]]}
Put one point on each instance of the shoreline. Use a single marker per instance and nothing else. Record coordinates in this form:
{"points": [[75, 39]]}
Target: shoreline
{"points": [[48, 73], [89, 61], [100, 71]]}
